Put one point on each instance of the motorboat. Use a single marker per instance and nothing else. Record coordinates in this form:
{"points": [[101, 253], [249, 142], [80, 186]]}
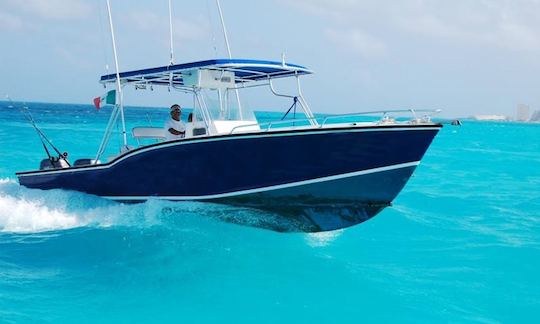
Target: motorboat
{"points": [[325, 172], [322, 172]]}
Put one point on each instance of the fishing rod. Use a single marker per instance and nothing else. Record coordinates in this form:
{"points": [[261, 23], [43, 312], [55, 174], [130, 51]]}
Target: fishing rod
{"points": [[42, 137]]}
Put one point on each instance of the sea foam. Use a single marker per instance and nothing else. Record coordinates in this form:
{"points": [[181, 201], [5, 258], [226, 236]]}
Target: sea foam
{"points": [[24, 210]]}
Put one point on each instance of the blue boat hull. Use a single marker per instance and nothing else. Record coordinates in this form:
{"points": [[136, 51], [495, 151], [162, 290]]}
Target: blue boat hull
{"points": [[320, 179]]}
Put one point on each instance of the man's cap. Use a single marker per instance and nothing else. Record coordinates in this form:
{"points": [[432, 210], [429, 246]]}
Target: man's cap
{"points": [[175, 107]]}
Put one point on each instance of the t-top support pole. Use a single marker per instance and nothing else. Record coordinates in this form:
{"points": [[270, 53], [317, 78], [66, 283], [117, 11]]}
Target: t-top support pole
{"points": [[230, 54], [118, 85]]}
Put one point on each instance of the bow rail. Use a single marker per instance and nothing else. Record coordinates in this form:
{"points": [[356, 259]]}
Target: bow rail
{"points": [[426, 118]]}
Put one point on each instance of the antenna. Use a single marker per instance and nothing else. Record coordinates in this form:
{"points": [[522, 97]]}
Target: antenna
{"points": [[105, 58], [224, 29], [171, 58], [230, 55], [211, 29]]}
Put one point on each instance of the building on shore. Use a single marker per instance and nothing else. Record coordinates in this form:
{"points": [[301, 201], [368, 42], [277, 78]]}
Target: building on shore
{"points": [[535, 117], [490, 117], [523, 113]]}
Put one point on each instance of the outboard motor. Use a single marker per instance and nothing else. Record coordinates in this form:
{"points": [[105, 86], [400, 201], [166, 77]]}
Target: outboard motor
{"points": [[54, 163]]}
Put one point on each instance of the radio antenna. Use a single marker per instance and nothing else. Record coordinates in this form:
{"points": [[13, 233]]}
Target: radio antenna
{"points": [[224, 29], [230, 56], [171, 58]]}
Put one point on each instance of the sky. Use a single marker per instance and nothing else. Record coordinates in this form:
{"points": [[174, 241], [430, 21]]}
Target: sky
{"points": [[464, 57]]}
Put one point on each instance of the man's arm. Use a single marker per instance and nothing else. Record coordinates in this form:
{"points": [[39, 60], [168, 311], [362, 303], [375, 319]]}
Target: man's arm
{"points": [[175, 132]]}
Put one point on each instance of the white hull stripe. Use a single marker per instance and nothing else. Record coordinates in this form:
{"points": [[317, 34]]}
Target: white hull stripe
{"points": [[270, 188], [225, 138]]}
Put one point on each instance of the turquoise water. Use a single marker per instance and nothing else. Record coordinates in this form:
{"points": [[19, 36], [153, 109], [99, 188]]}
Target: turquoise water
{"points": [[460, 244]]}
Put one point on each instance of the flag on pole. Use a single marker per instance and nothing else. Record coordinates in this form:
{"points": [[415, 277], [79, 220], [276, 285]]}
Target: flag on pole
{"points": [[107, 99]]}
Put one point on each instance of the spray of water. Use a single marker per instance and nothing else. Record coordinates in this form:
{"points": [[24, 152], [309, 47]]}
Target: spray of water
{"points": [[323, 238], [25, 210]]}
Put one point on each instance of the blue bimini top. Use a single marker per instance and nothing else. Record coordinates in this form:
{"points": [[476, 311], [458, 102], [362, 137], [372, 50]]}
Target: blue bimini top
{"points": [[244, 71]]}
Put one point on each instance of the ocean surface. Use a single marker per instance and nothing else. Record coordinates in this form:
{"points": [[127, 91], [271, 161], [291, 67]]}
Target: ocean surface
{"points": [[460, 244]]}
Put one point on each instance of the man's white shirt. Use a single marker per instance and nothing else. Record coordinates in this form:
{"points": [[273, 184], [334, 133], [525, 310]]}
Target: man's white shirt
{"points": [[176, 125]]}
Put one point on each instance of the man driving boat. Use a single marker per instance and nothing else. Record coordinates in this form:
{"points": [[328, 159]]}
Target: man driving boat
{"points": [[175, 127]]}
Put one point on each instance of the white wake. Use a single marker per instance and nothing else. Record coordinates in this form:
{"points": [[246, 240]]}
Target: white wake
{"points": [[25, 210]]}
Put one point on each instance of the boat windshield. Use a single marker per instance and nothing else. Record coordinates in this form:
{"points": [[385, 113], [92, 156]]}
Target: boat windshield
{"points": [[226, 105]]}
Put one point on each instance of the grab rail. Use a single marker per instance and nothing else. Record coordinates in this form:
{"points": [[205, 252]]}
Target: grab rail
{"points": [[384, 112], [268, 125]]}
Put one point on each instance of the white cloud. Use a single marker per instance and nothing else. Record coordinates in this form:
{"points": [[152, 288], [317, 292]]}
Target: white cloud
{"points": [[52, 9], [67, 56], [518, 37], [329, 8], [10, 22], [507, 24], [183, 29], [485, 23], [357, 42]]}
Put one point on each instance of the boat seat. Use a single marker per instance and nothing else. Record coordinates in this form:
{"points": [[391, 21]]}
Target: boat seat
{"points": [[155, 133], [148, 132], [158, 133]]}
